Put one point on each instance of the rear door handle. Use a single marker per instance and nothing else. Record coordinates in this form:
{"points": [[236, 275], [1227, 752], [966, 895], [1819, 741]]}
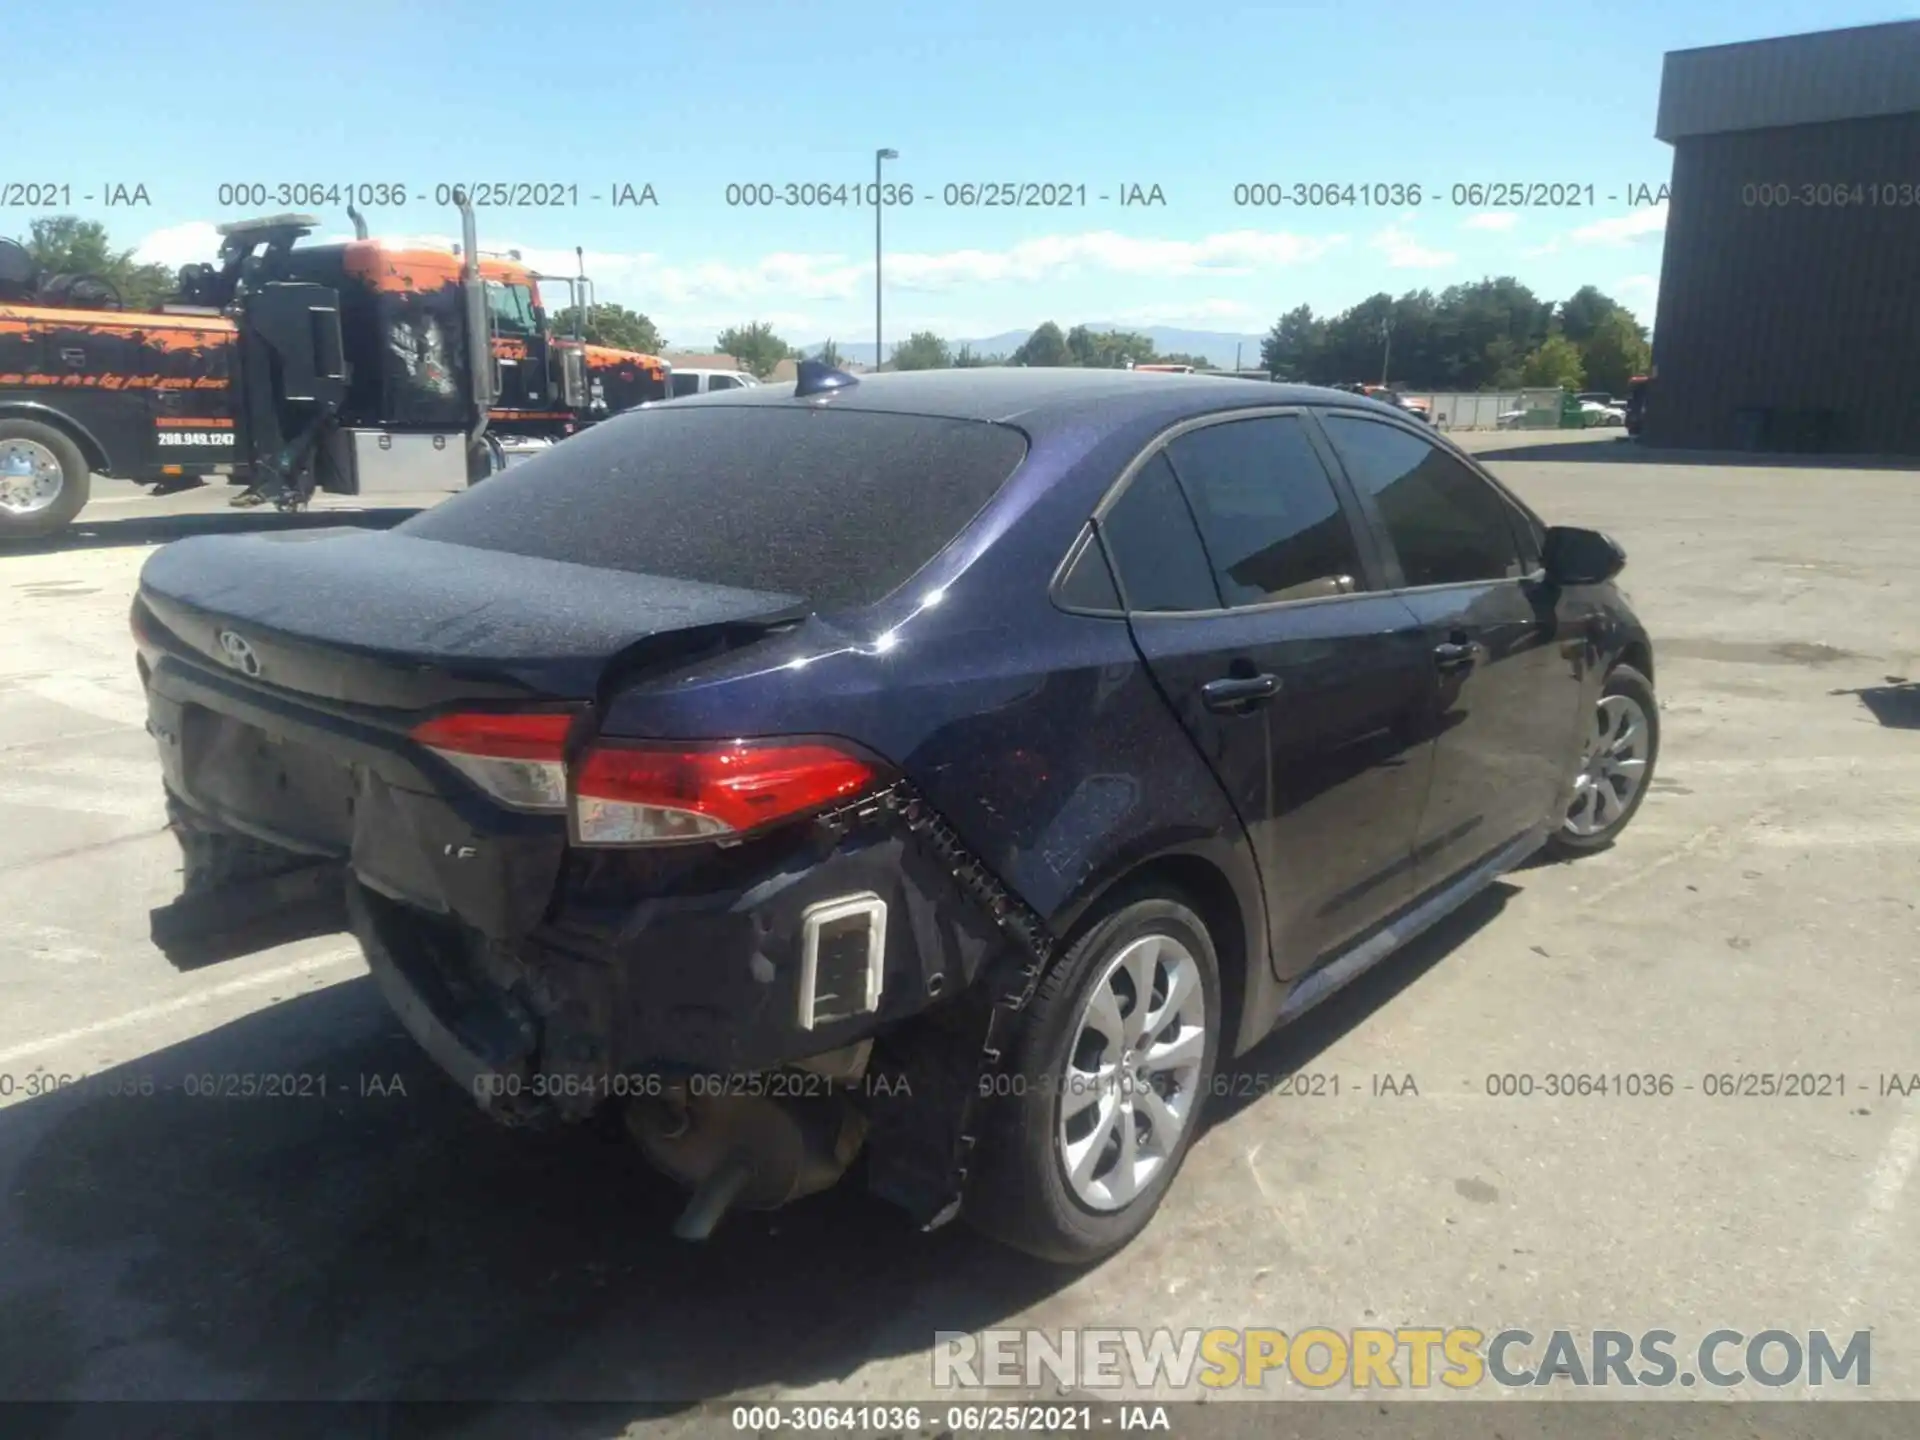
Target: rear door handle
{"points": [[1238, 694], [1454, 656]]}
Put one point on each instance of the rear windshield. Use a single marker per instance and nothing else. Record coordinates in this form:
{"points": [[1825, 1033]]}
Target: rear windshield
{"points": [[837, 507]]}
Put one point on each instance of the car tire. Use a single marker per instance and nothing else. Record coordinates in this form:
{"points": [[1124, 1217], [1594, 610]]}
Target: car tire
{"points": [[1046, 1106], [1616, 766], [30, 441]]}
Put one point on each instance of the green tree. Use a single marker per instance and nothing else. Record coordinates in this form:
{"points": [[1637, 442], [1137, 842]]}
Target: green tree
{"points": [[1199, 362], [1555, 361], [1109, 349], [967, 358], [1291, 347], [755, 346], [615, 325], [68, 245], [1354, 345], [1482, 334], [1582, 314], [829, 355], [1615, 353], [922, 350], [1045, 346]]}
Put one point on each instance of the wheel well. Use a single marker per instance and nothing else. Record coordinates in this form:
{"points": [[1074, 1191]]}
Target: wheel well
{"points": [[1639, 655], [90, 450], [1211, 896]]}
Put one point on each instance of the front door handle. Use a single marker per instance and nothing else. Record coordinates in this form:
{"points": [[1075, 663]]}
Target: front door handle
{"points": [[1238, 694], [1452, 657]]}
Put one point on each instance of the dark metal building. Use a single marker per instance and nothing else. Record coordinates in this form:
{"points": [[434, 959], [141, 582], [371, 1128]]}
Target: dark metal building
{"points": [[1789, 310]]}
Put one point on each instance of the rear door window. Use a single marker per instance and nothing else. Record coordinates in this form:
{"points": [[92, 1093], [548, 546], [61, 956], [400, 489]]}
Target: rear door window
{"points": [[685, 385], [835, 507], [1149, 532]]}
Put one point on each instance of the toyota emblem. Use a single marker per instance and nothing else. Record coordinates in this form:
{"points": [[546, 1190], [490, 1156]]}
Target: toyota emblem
{"points": [[238, 653]]}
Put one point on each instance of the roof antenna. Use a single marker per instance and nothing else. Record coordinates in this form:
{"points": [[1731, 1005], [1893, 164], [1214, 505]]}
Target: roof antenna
{"points": [[359, 223], [816, 377]]}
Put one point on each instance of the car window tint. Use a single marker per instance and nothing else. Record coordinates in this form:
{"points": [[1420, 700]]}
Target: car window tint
{"points": [[1267, 511], [686, 385], [1088, 583], [837, 507], [719, 382], [1157, 552], [1446, 523]]}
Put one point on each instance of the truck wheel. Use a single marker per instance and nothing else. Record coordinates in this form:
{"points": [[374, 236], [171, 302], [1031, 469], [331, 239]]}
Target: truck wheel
{"points": [[1106, 1079], [43, 480]]}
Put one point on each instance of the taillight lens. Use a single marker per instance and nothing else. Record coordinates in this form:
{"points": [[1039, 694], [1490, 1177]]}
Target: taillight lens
{"points": [[520, 760], [644, 793], [649, 794]]}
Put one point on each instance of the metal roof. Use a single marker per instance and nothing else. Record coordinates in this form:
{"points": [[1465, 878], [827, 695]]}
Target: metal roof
{"points": [[1828, 75]]}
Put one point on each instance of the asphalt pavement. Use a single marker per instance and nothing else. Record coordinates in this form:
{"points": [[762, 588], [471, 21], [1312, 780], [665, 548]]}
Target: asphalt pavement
{"points": [[365, 1234]]}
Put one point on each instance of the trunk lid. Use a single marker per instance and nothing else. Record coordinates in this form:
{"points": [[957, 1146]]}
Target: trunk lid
{"points": [[399, 623], [285, 674]]}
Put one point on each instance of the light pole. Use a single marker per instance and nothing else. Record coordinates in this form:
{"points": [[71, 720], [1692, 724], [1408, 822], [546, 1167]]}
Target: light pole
{"points": [[1386, 335], [879, 208]]}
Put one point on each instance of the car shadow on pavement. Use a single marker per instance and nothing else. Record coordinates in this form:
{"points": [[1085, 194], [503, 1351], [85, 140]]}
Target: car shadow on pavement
{"points": [[373, 1238], [1630, 452], [384, 1241], [1294, 1047], [101, 534]]}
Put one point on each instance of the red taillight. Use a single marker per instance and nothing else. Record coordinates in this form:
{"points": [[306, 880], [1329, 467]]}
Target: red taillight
{"points": [[498, 737], [645, 794], [641, 793], [518, 759]]}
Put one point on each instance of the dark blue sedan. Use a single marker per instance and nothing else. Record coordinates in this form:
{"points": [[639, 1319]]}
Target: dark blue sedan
{"points": [[955, 769]]}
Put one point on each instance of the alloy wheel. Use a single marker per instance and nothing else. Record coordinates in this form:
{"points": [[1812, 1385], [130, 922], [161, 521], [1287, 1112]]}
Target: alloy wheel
{"points": [[1131, 1085], [1612, 767]]}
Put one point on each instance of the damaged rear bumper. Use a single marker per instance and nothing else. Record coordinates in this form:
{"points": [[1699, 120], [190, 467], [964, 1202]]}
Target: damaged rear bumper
{"points": [[704, 997], [549, 980]]}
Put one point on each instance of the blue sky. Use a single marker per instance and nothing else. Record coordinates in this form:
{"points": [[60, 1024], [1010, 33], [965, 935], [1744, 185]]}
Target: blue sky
{"points": [[1194, 98]]}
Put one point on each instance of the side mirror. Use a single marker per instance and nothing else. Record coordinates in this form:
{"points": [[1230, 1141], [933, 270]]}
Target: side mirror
{"points": [[1574, 556]]}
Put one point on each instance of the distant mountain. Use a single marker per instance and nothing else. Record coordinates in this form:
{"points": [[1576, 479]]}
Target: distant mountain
{"points": [[1218, 346]]}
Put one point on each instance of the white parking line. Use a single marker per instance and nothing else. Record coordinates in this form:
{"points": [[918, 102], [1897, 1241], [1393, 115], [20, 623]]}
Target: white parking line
{"points": [[1886, 1186], [123, 704], [144, 804], [256, 981]]}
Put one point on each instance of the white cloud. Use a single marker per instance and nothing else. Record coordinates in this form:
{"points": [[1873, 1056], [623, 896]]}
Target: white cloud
{"points": [[1404, 252], [1640, 287], [1623, 229], [179, 245], [800, 293], [1492, 220], [1238, 252], [832, 276]]}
